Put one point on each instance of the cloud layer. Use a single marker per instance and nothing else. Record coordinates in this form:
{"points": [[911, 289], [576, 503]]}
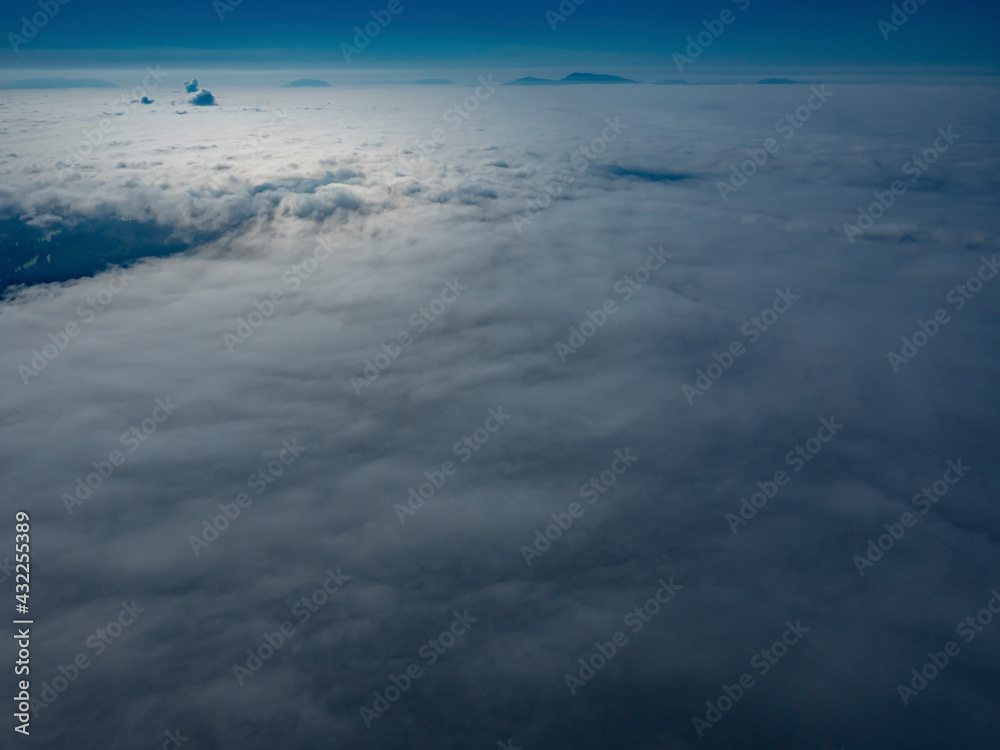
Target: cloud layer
{"points": [[377, 274]]}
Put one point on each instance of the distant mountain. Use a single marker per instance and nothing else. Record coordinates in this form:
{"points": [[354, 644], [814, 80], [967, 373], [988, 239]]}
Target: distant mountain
{"points": [[531, 81], [772, 81], [572, 78], [306, 83], [594, 78], [431, 82], [672, 82], [58, 83]]}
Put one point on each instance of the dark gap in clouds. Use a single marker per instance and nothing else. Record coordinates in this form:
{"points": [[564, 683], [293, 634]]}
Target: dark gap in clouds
{"points": [[31, 255], [619, 171], [27, 257], [78, 246]]}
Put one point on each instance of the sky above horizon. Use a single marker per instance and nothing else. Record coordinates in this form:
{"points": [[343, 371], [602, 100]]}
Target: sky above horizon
{"points": [[778, 32]]}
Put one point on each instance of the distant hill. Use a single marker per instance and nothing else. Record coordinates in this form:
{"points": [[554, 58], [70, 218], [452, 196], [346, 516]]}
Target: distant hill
{"points": [[431, 82], [773, 81], [531, 81], [594, 78], [672, 82], [306, 83], [572, 78], [58, 83]]}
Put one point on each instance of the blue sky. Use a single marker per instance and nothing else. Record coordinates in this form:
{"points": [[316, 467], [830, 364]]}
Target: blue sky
{"points": [[775, 32]]}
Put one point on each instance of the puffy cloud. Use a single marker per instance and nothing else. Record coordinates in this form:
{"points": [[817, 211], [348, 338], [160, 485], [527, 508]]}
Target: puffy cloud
{"points": [[203, 98]]}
